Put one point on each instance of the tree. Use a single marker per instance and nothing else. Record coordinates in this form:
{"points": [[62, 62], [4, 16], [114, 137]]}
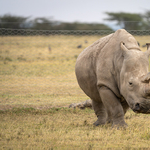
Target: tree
{"points": [[14, 22], [81, 26], [43, 23], [49, 24], [146, 18], [129, 21]]}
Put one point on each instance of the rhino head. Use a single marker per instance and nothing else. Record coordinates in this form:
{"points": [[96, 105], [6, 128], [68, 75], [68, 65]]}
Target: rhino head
{"points": [[135, 78]]}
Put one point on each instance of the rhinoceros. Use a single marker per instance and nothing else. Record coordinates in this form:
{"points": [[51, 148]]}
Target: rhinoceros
{"points": [[113, 72]]}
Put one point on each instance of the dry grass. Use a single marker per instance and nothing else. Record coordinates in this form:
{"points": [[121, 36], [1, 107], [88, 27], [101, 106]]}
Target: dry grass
{"points": [[69, 129], [30, 74], [33, 76]]}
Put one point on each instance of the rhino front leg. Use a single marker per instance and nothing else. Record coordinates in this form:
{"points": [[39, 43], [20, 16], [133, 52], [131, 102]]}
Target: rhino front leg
{"points": [[125, 106], [100, 112], [113, 106]]}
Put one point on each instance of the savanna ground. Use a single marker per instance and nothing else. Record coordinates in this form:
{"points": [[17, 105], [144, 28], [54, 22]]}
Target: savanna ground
{"points": [[36, 88]]}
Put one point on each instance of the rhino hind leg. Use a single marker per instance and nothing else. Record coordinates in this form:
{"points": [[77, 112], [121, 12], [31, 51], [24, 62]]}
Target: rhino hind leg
{"points": [[100, 112]]}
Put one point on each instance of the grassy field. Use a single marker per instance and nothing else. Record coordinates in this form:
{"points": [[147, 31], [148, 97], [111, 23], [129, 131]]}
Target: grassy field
{"points": [[36, 82], [32, 75], [64, 128]]}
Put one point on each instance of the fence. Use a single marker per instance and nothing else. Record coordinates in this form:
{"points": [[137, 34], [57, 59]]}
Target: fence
{"points": [[37, 66], [28, 32]]}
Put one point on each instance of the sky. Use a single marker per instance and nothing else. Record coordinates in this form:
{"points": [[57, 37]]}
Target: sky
{"points": [[89, 11]]}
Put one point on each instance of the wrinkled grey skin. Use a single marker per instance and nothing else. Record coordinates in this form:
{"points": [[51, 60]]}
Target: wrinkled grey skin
{"points": [[113, 72]]}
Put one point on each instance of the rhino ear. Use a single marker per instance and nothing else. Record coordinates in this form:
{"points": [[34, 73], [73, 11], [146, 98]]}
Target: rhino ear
{"points": [[148, 49], [124, 49]]}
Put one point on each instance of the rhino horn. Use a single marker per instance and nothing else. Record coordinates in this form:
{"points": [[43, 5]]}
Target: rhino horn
{"points": [[146, 78], [147, 89], [148, 46], [148, 49]]}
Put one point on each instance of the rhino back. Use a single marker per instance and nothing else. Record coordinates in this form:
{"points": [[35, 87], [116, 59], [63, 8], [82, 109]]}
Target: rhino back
{"points": [[86, 67], [94, 48]]}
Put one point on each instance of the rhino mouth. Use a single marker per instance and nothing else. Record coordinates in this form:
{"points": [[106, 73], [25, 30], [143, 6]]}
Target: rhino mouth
{"points": [[141, 108]]}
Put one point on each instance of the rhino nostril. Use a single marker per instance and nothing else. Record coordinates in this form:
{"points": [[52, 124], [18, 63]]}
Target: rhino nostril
{"points": [[137, 107]]}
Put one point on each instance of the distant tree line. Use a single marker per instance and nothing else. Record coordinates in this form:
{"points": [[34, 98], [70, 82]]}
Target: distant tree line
{"points": [[128, 21], [131, 21], [43, 23]]}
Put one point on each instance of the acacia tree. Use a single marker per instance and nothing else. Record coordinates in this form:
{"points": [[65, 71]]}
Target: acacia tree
{"points": [[129, 21], [82, 26], [14, 22], [43, 23], [146, 18]]}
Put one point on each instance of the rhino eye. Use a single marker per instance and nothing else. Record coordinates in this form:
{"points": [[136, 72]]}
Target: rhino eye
{"points": [[130, 83]]}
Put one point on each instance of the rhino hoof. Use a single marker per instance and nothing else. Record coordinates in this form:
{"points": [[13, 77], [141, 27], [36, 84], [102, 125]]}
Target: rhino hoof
{"points": [[120, 126], [98, 123]]}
